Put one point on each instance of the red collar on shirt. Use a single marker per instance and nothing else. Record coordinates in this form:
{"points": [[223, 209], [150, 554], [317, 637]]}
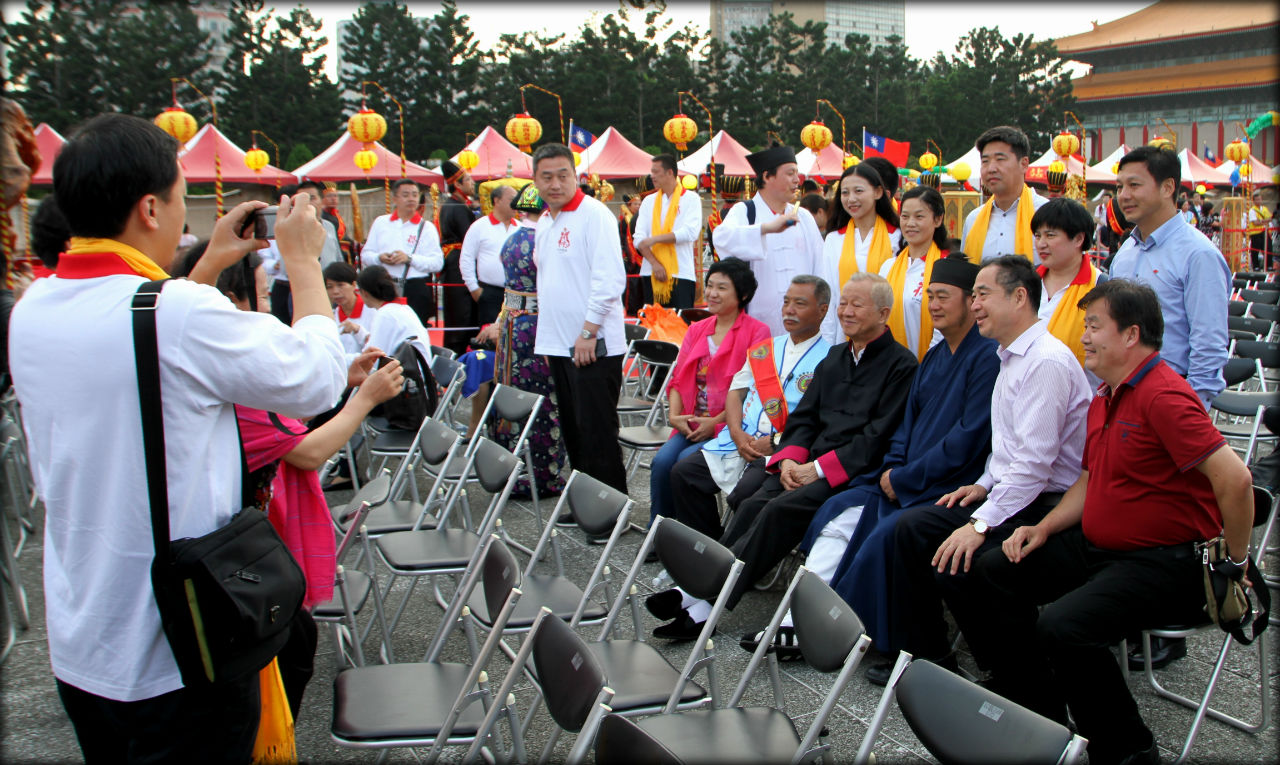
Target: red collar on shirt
{"points": [[91, 265], [1082, 276], [400, 301], [573, 203], [417, 217], [494, 220], [355, 312]]}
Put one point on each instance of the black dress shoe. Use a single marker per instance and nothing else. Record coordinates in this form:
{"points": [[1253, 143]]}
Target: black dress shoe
{"points": [[652, 557], [665, 605], [683, 628], [785, 643], [878, 674], [337, 483], [1164, 651], [1148, 756]]}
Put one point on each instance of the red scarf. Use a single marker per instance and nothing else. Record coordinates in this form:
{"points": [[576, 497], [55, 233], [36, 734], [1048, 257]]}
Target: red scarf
{"points": [[355, 312]]}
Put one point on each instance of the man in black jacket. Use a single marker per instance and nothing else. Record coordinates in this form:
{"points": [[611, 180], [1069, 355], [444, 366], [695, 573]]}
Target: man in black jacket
{"points": [[840, 429], [457, 213]]}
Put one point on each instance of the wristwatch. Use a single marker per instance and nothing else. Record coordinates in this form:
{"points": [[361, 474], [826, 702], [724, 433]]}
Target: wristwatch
{"points": [[979, 525], [586, 334], [777, 438]]}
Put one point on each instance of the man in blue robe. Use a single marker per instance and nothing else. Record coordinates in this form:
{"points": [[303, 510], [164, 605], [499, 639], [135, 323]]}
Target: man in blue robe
{"points": [[943, 442]]}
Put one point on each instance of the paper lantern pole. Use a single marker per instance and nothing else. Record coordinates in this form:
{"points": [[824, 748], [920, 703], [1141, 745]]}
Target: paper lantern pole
{"points": [[404, 171], [217, 161], [711, 136], [559, 106], [844, 135], [254, 134]]}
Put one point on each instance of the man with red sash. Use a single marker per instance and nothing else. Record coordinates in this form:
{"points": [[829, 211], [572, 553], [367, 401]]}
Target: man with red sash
{"points": [[840, 429], [120, 185], [457, 213], [776, 374]]}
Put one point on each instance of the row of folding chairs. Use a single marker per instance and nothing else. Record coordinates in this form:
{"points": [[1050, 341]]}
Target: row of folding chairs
{"points": [[18, 507]]}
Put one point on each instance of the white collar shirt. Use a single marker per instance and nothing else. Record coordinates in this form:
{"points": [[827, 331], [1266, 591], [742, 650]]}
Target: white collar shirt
{"points": [[480, 259], [417, 237], [687, 227], [1002, 229]]}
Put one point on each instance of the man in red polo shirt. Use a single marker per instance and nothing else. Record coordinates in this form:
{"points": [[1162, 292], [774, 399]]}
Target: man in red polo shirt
{"points": [[1117, 555]]}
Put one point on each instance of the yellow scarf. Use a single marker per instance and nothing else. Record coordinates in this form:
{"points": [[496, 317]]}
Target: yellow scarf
{"points": [[134, 259], [666, 251], [1067, 322], [897, 279], [881, 250], [977, 238]]}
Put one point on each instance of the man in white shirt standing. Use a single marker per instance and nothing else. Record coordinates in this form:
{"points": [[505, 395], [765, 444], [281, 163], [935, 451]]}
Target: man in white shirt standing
{"points": [[481, 258], [665, 237], [122, 186], [580, 281], [1002, 225], [779, 238], [408, 246]]}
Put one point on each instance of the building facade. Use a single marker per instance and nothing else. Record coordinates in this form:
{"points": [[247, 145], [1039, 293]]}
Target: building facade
{"points": [[876, 19], [1207, 71]]}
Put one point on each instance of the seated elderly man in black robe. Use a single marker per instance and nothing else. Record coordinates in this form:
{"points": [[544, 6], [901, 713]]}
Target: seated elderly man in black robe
{"points": [[840, 429]]}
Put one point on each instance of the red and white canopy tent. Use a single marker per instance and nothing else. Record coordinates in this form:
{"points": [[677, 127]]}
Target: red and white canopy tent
{"points": [[198, 165], [337, 163], [726, 150], [1196, 170], [1111, 159], [50, 143], [1260, 174], [497, 157], [613, 156], [822, 166], [1038, 169]]}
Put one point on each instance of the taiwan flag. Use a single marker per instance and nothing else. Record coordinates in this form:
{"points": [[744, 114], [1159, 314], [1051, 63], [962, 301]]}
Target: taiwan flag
{"points": [[580, 138], [879, 146]]}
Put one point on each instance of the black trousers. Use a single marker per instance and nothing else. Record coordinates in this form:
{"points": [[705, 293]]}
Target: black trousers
{"points": [[421, 297], [682, 293], [917, 591], [769, 524], [489, 304], [1062, 654], [588, 401], [1260, 251], [693, 493], [217, 724], [282, 301], [459, 308]]}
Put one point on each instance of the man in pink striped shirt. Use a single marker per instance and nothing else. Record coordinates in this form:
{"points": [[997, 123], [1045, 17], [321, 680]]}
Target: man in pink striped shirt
{"points": [[1038, 411]]}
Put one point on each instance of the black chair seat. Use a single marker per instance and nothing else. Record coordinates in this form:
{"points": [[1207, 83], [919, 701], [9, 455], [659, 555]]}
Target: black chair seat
{"points": [[359, 585], [752, 734], [455, 468], [639, 676], [400, 701], [420, 550], [644, 436], [397, 515], [540, 591], [393, 442], [378, 423]]}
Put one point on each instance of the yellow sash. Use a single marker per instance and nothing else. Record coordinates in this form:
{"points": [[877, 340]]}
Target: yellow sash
{"points": [[1258, 224], [1021, 232], [666, 251], [134, 259], [1067, 322], [897, 279], [881, 250]]}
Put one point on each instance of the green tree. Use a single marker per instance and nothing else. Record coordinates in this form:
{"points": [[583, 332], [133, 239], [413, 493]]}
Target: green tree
{"points": [[71, 59], [385, 44], [453, 61], [274, 79]]}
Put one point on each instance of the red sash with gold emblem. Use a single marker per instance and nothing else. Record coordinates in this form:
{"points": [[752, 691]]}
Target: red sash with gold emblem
{"points": [[768, 386]]}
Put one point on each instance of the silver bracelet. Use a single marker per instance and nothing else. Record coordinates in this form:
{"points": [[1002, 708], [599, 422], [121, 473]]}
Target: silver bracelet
{"points": [[1238, 562]]}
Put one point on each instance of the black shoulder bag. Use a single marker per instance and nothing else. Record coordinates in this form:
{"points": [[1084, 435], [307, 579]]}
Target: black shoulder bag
{"points": [[226, 599]]}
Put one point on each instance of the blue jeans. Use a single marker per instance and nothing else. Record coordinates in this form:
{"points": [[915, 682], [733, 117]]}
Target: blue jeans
{"points": [[675, 449]]}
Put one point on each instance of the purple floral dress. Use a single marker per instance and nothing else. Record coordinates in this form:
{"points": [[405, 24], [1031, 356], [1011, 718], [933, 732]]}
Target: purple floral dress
{"points": [[519, 367]]}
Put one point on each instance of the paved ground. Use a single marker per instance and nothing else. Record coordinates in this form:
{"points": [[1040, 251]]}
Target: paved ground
{"points": [[34, 728]]}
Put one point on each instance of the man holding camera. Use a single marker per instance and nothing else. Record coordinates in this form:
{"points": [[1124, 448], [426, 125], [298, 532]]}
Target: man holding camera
{"points": [[120, 185]]}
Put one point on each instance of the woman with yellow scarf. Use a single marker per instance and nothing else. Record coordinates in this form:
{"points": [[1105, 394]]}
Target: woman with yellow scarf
{"points": [[908, 273], [862, 234], [1063, 231]]}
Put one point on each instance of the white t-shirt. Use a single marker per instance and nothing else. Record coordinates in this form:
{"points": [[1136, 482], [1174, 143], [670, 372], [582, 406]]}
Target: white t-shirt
{"points": [[481, 257], [580, 277], [393, 323], [687, 226], [72, 360], [351, 342]]}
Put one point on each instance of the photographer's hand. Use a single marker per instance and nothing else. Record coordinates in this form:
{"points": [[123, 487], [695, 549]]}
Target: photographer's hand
{"points": [[300, 238], [226, 245]]}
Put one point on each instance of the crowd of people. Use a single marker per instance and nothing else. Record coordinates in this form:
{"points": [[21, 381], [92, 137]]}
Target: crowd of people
{"points": [[992, 423]]}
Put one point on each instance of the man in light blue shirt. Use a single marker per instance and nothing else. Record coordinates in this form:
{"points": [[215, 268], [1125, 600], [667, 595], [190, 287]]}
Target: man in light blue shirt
{"points": [[1187, 272]]}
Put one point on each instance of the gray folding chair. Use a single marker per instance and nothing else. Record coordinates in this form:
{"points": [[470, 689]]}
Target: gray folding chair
{"points": [[645, 370], [959, 721], [429, 703], [435, 442], [352, 589], [1264, 516], [1238, 417], [832, 639], [567, 677]]}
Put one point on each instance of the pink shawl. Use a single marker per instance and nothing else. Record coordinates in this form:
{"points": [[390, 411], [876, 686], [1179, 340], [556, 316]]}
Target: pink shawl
{"points": [[298, 509], [730, 356]]}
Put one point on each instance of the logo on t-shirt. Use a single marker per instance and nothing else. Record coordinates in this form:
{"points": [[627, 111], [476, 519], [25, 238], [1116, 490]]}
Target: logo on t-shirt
{"points": [[563, 244]]}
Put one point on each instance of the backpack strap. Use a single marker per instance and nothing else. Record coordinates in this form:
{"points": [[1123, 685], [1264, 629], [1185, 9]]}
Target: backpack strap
{"points": [[751, 211]]}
